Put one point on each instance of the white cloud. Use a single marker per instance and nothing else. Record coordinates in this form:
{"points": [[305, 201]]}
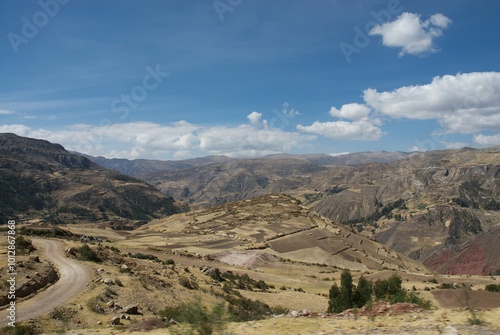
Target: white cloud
{"points": [[364, 129], [334, 154], [487, 140], [178, 140], [454, 145], [351, 111], [411, 34], [6, 112], [254, 118], [415, 148], [463, 103], [246, 140]]}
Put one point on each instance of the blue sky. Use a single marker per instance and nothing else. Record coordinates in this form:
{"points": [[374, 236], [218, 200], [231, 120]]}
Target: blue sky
{"points": [[178, 79]]}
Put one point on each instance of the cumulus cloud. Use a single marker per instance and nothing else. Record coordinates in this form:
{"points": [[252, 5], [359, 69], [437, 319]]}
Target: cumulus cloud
{"points": [[487, 140], [362, 125], [178, 140], [364, 129], [411, 34], [254, 118], [463, 103], [351, 111]]}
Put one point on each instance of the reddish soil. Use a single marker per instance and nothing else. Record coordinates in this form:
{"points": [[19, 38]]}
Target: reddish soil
{"points": [[475, 299], [478, 258]]}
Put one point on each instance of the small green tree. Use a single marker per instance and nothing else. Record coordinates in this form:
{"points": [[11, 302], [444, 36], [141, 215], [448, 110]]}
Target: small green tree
{"points": [[333, 302], [363, 292], [341, 298]]}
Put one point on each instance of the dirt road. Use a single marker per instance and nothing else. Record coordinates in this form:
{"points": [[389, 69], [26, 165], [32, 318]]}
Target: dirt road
{"points": [[73, 278]]}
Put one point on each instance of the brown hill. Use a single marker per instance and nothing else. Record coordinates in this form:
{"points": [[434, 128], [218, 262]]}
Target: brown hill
{"points": [[236, 180], [422, 206], [43, 179], [269, 228]]}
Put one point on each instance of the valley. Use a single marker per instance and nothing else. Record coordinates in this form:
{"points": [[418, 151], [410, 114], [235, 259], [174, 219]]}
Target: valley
{"points": [[266, 237]]}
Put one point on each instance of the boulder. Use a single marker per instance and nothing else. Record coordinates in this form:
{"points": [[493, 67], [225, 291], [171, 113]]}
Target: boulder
{"points": [[131, 309], [115, 320]]}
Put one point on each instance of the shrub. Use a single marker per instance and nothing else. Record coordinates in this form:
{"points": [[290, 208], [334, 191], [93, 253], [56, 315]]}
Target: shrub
{"points": [[20, 329], [492, 287], [87, 254], [24, 244], [94, 305], [198, 317], [191, 285]]}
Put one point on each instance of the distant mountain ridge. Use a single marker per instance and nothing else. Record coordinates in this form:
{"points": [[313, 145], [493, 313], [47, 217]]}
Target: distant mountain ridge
{"points": [[40, 178], [136, 167]]}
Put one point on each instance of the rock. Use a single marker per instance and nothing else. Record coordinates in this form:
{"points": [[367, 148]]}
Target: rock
{"points": [[108, 281], [131, 309], [79, 306], [294, 314], [111, 303], [34, 259], [380, 324], [99, 323], [123, 316], [115, 320], [71, 251], [305, 312], [449, 330], [100, 270]]}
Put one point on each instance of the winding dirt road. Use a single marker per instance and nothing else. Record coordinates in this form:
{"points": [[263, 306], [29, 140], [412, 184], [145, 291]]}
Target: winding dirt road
{"points": [[72, 280]]}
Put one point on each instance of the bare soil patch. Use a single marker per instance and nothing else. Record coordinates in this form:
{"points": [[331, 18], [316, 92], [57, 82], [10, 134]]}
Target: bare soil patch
{"points": [[458, 298]]}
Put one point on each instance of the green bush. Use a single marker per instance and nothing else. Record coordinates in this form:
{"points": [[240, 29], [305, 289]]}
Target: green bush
{"points": [[492, 287], [198, 317], [20, 329], [87, 254]]}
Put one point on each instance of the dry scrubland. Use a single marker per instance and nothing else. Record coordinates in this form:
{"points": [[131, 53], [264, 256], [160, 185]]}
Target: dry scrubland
{"points": [[295, 252]]}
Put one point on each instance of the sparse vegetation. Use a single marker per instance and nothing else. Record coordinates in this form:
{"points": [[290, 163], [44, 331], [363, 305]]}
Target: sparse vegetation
{"points": [[349, 296], [197, 317], [492, 287], [21, 329], [87, 254]]}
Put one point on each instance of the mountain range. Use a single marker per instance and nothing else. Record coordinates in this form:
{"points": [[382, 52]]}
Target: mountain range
{"points": [[42, 179], [440, 208]]}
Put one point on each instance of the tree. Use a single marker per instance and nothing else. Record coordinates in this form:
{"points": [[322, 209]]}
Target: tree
{"points": [[334, 299], [363, 292], [341, 298], [346, 289]]}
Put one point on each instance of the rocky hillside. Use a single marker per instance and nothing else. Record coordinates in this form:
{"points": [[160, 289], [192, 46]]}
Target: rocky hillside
{"points": [[42, 179], [431, 206], [439, 207], [136, 167], [236, 180]]}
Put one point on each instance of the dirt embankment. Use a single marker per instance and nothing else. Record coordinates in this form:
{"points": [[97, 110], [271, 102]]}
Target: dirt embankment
{"points": [[47, 275]]}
